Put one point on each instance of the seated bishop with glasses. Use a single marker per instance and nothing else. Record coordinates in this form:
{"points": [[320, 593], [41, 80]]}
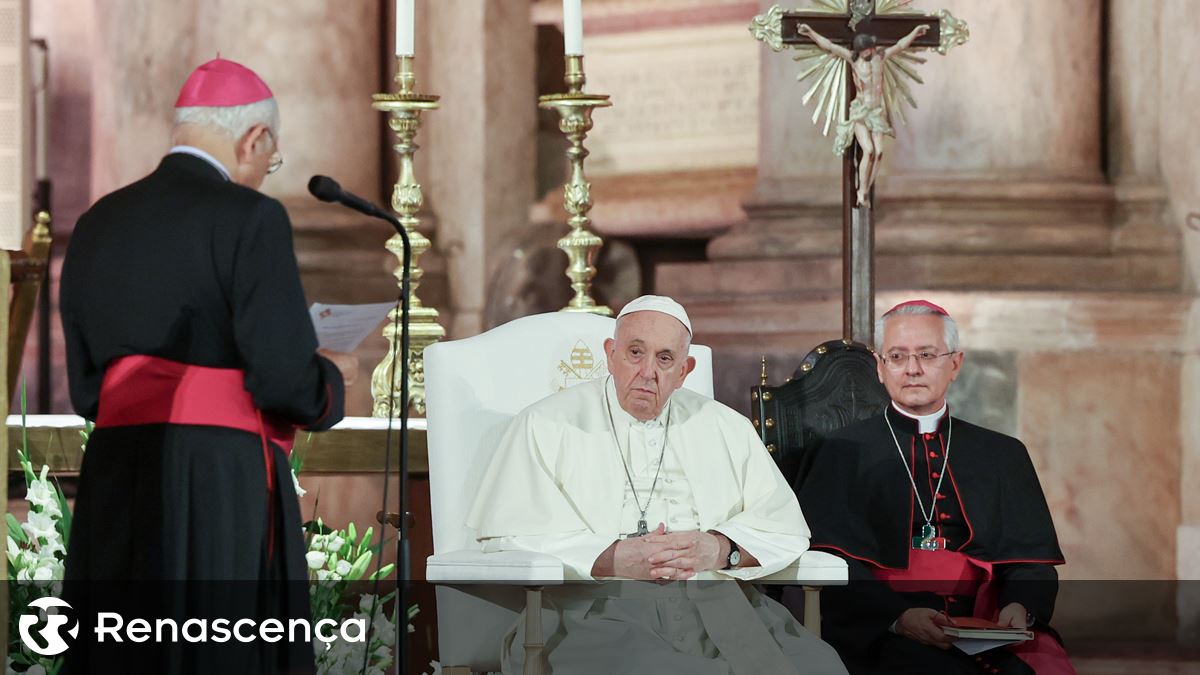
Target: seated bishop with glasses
{"points": [[937, 518]]}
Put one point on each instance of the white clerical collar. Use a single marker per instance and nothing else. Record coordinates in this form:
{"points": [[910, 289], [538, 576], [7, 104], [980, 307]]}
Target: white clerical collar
{"points": [[623, 418], [926, 424], [197, 152]]}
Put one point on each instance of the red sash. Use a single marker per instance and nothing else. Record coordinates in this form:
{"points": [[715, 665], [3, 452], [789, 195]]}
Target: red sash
{"points": [[149, 390], [949, 573]]}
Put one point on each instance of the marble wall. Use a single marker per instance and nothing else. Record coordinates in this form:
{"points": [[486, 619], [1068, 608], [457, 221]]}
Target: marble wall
{"points": [[481, 144]]}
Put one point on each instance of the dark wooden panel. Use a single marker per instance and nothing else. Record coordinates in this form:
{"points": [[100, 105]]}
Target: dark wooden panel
{"points": [[339, 450], [887, 29]]}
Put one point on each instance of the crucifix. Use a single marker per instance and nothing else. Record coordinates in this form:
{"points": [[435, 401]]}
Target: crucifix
{"points": [[875, 41]]}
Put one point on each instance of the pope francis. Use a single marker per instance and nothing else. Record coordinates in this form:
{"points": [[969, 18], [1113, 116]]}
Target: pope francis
{"points": [[636, 483]]}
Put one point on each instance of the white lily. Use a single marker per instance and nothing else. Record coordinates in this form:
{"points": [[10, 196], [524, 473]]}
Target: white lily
{"points": [[41, 493], [39, 525]]}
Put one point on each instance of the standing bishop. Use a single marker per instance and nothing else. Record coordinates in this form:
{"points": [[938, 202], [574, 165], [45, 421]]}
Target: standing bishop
{"points": [[189, 345]]}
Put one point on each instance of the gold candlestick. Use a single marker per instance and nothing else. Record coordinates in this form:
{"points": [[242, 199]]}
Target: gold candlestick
{"points": [[580, 245], [405, 109]]}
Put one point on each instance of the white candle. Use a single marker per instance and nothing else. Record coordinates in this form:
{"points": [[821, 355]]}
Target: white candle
{"points": [[41, 117], [573, 27], [41, 140], [404, 28]]}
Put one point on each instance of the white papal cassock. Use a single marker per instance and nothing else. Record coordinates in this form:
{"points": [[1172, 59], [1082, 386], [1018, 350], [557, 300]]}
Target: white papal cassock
{"points": [[557, 485]]}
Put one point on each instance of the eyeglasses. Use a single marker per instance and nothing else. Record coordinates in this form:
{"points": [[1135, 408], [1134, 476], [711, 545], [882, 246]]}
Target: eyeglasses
{"points": [[276, 160], [898, 360]]}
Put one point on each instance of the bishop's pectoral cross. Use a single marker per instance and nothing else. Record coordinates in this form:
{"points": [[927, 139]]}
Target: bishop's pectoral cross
{"points": [[859, 54]]}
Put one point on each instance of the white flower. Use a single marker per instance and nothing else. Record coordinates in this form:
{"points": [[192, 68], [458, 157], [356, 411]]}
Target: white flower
{"points": [[316, 559], [367, 603], [41, 492], [334, 543], [343, 568], [51, 548], [39, 525], [300, 492], [317, 543]]}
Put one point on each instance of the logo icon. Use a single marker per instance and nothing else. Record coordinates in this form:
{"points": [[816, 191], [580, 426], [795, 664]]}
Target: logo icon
{"points": [[581, 366], [50, 633]]}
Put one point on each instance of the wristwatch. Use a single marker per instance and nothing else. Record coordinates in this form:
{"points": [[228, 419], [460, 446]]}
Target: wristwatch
{"points": [[735, 556]]}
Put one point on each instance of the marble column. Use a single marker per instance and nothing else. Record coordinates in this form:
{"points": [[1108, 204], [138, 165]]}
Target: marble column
{"points": [[69, 30], [1152, 104], [140, 56], [481, 143], [1179, 134], [321, 61], [1008, 120], [1134, 127]]}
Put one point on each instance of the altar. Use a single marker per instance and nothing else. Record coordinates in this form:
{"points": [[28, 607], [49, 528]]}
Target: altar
{"points": [[344, 462]]}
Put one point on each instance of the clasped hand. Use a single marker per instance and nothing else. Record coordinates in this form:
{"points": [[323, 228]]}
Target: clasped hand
{"points": [[667, 557]]}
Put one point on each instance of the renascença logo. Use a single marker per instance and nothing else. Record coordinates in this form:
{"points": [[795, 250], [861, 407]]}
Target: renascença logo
{"points": [[49, 633]]}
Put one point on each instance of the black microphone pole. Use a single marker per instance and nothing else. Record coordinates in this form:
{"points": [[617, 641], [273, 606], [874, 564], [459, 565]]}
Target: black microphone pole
{"points": [[326, 189]]}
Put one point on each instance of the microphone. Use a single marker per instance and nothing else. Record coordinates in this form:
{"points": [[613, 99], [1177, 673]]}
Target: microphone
{"points": [[327, 189]]}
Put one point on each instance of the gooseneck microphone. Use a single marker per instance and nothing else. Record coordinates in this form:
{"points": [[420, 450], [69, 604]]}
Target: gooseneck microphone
{"points": [[327, 189]]}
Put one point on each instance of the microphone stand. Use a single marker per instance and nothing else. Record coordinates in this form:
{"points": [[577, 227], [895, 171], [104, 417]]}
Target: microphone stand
{"points": [[403, 562]]}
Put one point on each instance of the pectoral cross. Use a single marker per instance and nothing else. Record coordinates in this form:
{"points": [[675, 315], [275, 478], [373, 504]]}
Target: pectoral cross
{"points": [[928, 540], [833, 28]]}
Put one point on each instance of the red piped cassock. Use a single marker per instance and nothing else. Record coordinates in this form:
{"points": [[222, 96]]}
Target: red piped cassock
{"points": [[1000, 543], [189, 342]]}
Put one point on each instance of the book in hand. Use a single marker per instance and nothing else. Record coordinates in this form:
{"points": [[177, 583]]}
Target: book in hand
{"points": [[979, 635]]}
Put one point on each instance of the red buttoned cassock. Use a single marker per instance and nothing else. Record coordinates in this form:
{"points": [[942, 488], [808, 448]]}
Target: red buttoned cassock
{"points": [[991, 516]]}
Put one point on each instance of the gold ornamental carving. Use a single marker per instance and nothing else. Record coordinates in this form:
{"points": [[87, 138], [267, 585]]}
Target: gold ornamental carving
{"points": [[580, 244], [404, 108]]}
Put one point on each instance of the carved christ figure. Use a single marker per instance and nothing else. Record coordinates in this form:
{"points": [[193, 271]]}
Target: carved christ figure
{"points": [[869, 118]]}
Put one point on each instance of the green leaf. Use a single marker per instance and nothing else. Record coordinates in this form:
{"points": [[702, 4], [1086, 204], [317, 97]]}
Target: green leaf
{"points": [[64, 522], [360, 566], [15, 531], [382, 573], [24, 427]]}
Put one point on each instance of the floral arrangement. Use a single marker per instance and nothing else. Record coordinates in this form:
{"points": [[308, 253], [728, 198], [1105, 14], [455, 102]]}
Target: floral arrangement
{"points": [[37, 551], [336, 559]]}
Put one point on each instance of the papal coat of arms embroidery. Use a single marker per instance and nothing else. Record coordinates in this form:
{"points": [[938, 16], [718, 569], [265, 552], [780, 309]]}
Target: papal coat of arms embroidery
{"points": [[579, 366]]}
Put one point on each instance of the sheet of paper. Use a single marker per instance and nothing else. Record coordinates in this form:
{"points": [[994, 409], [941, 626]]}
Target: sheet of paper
{"points": [[973, 646], [342, 328]]}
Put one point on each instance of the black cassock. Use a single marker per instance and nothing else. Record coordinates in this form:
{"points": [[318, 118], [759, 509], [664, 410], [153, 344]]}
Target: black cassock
{"points": [[171, 519], [857, 498]]}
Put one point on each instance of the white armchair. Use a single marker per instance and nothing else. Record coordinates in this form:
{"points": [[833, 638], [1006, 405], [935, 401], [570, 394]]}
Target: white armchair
{"points": [[473, 388]]}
